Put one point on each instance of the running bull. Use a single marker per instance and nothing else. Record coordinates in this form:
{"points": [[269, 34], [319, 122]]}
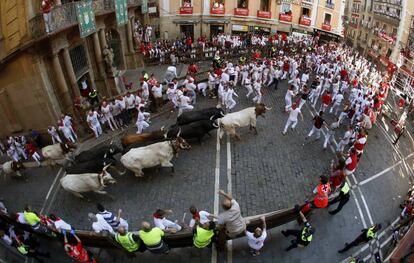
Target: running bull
{"points": [[243, 118], [153, 155], [57, 151], [13, 167], [204, 114], [87, 182]]}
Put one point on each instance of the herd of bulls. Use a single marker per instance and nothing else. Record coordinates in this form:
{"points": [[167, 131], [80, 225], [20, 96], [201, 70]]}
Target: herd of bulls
{"points": [[87, 171]]}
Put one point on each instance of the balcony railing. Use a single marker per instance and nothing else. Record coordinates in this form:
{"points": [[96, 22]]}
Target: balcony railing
{"points": [[330, 5], [390, 2], [64, 16]]}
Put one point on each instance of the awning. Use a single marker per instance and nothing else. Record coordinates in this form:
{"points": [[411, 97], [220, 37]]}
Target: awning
{"points": [[186, 22], [240, 28], [216, 21]]}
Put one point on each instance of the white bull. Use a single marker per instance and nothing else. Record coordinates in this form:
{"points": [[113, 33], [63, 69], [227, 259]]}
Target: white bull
{"points": [[87, 182], [57, 151], [153, 155], [243, 118]]}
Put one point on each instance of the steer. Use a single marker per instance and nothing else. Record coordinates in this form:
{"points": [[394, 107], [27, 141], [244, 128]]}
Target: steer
{"points": [[107, 151], [143, 137], [153, 155], [91, 166], [243, 118], [193, 130], [57, 151], [87, 182], [204, 114], [13, 167]]}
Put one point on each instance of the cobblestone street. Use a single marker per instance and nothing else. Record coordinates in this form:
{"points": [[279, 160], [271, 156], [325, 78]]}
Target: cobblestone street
{"points": [[265, 172]]}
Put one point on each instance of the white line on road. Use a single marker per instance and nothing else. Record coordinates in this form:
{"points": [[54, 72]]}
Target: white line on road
{"points": [[229, 190], [50, 190], [216, 189]]}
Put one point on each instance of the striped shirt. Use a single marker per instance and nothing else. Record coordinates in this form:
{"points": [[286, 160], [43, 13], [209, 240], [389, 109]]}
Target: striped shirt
{"points": [[110, 218]]}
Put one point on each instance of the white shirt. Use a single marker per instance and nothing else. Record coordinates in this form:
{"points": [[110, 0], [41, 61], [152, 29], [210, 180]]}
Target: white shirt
{"points": [[256, 242], [289, 95], [101, 225], [106, 110], [293, 114], [157, 91], [60, 224], [67, 121], [338, 98], [184, 101], [93, 120], [203, 218], [121, 104], [130, 101]]}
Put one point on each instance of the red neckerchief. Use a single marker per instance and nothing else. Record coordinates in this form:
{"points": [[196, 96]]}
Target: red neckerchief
{"points": [[157, 216], [196, 215]]}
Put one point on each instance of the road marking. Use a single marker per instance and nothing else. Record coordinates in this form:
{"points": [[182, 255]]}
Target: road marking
{"points": [[50, 190], [229, 190], [385, 170], [216, 190]]}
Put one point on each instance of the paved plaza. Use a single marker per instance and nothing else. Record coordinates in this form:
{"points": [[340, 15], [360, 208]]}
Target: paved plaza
{"points": [[264, 172]]}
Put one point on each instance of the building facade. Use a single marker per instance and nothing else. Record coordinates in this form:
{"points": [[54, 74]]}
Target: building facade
{"points": [[42, 73], [210, 17], [383, 31]]}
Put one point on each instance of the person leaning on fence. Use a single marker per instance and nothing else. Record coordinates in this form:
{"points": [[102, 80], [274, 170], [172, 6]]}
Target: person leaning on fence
{"points": [[203, 234], [77, 252], [152, 238], [131, 242]]}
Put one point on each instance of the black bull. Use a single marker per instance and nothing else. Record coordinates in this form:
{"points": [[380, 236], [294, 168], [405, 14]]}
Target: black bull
{"points": [[91, 166], [194, 130], [204, 114], [107, 151]]}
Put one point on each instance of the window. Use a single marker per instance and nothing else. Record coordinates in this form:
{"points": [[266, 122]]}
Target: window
{"points": [[285, 9], [242, 4], [218, 3], [327, 19], [186, 3], [306, 12], [330, 2], [79, 61], [265, 5]]}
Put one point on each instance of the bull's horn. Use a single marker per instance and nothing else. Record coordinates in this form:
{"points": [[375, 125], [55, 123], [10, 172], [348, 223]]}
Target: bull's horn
{"points": [[106, 167], [166, 134], [211, 118], [215, 125], [222, 114], [162, 128], [267, 108], [179, 132]]}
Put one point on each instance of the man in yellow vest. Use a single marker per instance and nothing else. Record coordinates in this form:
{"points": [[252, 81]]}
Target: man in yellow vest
{"points": [[152, 238], [203, 234], [342, 198], [129, 241], [367, 235], [303, 237], [31, 218]]}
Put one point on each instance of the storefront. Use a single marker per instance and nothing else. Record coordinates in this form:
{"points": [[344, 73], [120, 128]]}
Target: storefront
{"points": [[239, 29], [326, 36], [216, 29], [260, 30], [187, 30]]}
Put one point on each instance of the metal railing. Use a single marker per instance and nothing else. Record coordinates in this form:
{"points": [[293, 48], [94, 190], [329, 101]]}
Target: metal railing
{"points": [[64, 16], [329, 5]]}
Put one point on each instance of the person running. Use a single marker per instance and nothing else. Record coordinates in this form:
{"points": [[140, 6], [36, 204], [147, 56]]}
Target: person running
{"points": [[294, 111], [342, 198], [318, 121], [367, 235]]}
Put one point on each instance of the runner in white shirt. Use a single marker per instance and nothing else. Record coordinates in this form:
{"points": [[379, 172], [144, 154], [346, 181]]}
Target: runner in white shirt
{"points": [[106, 110], [230, 102], [344, 140], [184, 104], [337, 103], [142, 120], [93, 122], [256, 239], [288, 98], [294, 111], [257, 85], [53, 133]]}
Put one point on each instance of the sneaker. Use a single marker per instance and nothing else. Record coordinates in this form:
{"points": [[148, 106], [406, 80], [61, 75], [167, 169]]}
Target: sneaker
{"points": [[284, 133]]}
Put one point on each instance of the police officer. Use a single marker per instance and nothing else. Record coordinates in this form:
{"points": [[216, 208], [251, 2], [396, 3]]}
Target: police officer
{"points": [[367, 235], [342, 198], [303, 237], [203, 234], [131, 242], [93, 97]]}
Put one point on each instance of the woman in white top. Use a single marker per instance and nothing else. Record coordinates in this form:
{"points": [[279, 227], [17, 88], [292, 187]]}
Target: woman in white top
{"points": [[106, 110]]}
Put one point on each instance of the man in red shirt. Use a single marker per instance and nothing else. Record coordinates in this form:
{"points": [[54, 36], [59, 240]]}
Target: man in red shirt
{"points": [[32, 151], [318, 121], [77, 252], [351, 162], [326, 100], [45, 9]]}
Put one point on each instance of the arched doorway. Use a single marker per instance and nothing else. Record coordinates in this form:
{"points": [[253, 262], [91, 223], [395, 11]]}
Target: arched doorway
{"points": [[114, 42]]}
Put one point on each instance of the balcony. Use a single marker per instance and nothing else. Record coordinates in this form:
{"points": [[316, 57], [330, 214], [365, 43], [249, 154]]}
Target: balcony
{"points": [[387, 14], [219, 10], [64, 16], [241, 11], [305, 21], [329, 5], [264, 14], [384, 36], [285, 18], [326, 27], [389, 2], [186, 10]]}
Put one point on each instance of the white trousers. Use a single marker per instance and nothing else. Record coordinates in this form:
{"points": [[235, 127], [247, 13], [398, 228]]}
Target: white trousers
{"points": [[97, 130], [302, 102], [288, 102], [329, 137], [141, 125], [290, 122], [111, 121], [230, 103], [181, 109], [56, 139], [316, 131], [170, 224], [22, 152], [47, 17], [341, 145], [249, 90], [36, 157]]}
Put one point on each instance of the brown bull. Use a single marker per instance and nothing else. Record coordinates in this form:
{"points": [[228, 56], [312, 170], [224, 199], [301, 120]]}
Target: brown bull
{"points": [[143, 137]]}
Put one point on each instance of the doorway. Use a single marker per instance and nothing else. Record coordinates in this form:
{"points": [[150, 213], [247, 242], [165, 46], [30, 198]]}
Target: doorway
{"points": [[216, 29], [187, 30]]}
